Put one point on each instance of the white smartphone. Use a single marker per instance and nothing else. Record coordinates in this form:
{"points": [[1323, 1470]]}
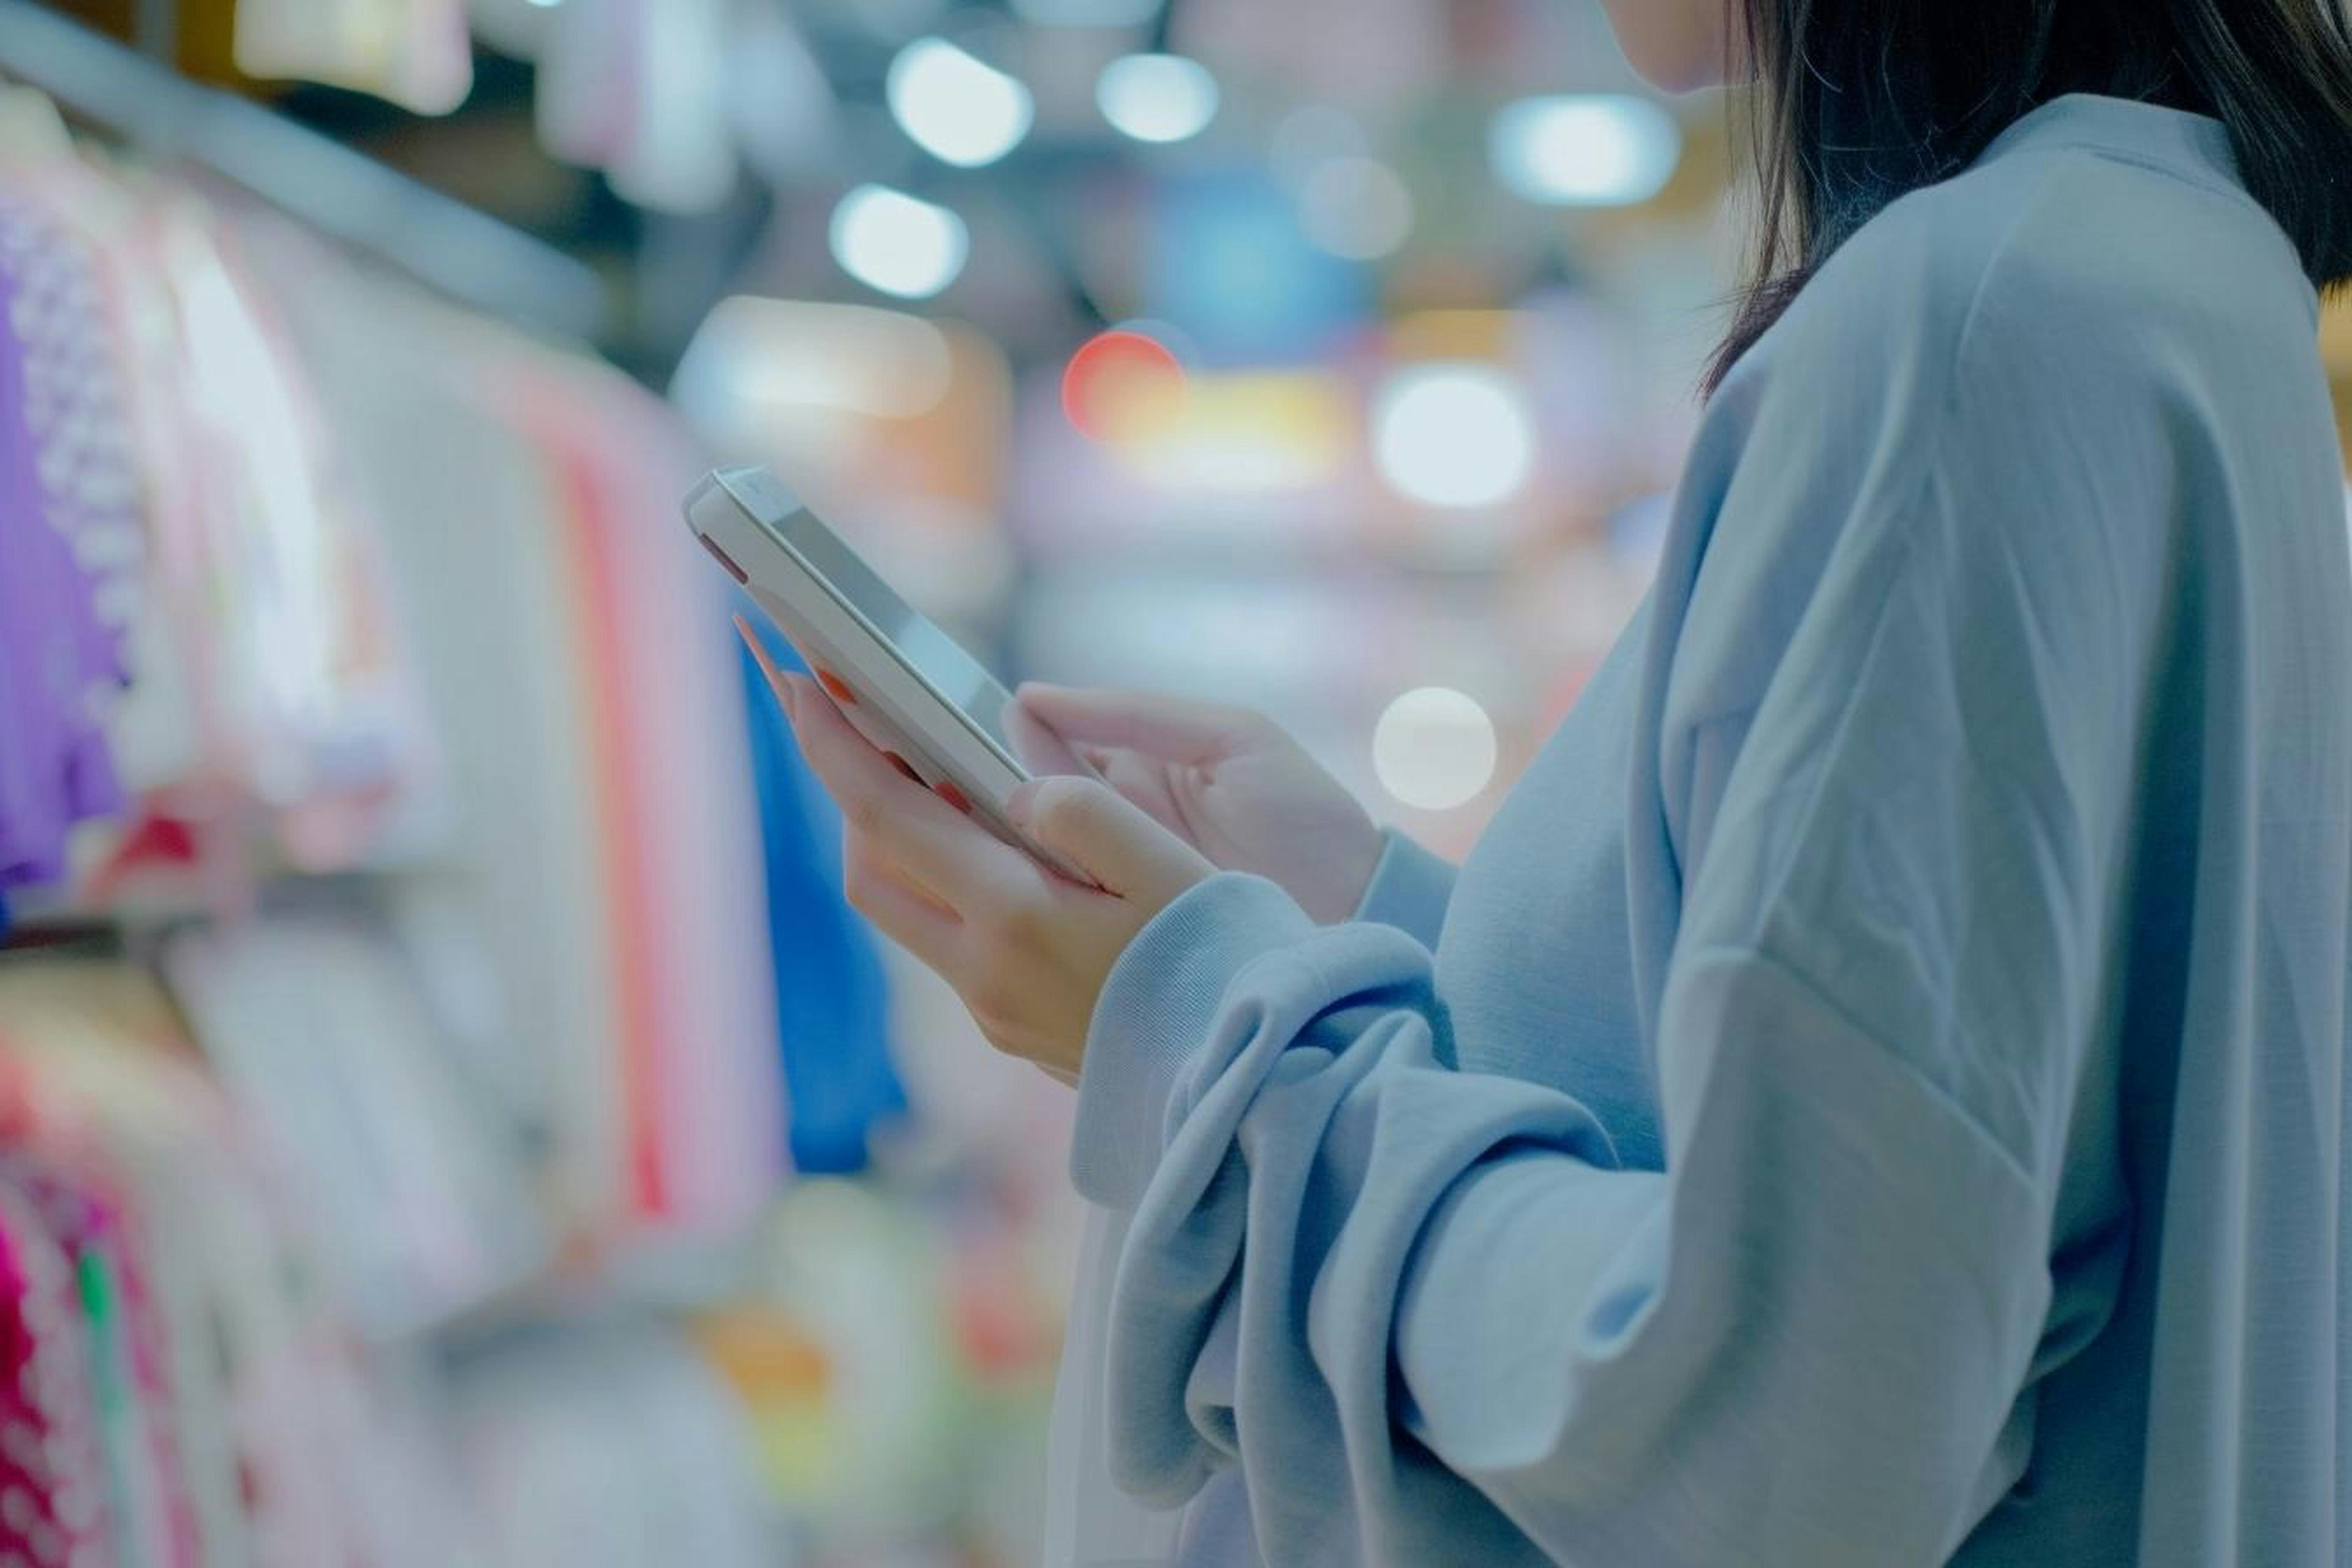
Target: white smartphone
{"points": [[903, 683]]}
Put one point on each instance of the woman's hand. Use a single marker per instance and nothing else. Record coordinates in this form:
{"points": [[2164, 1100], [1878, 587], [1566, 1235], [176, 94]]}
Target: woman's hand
{"points": [[1028, 950], [1228, 782]]}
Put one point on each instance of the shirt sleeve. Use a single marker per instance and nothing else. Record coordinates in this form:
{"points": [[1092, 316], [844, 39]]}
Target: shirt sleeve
{"points": [[1410, 889], [1420, 1311]]}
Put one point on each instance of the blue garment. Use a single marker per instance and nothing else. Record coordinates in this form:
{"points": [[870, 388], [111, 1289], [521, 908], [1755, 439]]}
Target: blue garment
{"points": [[1876, 1095], [831, 1001]]}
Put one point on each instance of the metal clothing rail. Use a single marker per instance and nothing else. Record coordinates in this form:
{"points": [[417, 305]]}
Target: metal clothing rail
{"points": [[463, 252]]}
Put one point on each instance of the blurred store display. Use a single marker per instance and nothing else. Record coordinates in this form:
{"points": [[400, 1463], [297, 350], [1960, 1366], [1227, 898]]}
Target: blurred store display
{"points": [[447, 1115]]}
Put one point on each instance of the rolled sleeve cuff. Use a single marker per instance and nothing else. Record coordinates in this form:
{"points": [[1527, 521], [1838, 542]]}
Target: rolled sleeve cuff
{"points": [[1153, 1017], [1410, 889]]}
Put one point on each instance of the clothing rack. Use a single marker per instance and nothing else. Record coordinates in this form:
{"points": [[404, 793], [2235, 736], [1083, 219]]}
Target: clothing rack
{"points": [[455, 249]]}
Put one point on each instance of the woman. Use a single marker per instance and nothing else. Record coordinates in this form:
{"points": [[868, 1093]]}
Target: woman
{"points": [[1876, 1095]]}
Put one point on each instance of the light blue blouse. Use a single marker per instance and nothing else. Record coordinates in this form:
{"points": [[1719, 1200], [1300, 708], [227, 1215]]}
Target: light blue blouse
{"points": [[1876, 1095]]}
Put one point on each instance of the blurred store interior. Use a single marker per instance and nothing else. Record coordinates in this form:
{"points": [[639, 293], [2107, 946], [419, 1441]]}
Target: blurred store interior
{"points": [[446, 1113]]}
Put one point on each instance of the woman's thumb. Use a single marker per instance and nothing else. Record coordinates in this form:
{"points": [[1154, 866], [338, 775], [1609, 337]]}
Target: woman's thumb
{"points": [[1039, 746], [1106, 837], [1168, 728]]}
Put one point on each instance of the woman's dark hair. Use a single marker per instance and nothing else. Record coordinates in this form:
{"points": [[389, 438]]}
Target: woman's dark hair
{"points": [[1857, 102]]}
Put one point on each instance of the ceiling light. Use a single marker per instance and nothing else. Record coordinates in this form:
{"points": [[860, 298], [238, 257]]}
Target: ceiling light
{"points": [[888, 240], [1157, 97], [1597, 151], [956, 107]]}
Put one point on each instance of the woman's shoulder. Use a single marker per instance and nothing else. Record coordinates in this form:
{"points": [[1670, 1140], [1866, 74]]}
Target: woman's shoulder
{"points": [[2056, 270]]}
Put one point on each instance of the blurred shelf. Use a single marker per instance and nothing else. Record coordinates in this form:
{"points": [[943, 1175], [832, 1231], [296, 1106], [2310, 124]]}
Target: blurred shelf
{"points": [[466, 253]]}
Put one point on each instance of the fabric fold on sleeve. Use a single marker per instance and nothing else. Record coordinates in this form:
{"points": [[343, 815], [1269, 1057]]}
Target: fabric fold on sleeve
{"points": [[1410, 888], [1154, 1014]]}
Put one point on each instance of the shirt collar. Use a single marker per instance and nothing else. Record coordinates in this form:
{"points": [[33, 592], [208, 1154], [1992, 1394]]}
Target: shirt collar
{"points": [[2194, 144]]}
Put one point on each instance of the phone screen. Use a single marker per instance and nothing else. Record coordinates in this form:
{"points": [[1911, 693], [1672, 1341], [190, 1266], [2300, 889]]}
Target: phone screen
{"points": [[954, 674]]}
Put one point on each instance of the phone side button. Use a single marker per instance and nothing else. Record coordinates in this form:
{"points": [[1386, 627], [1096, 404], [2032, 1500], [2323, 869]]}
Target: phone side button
{"points": [[724, 559]]}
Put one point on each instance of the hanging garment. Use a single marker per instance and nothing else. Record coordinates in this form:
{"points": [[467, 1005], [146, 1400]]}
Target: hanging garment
{"points": [[56, 654], [75, 403], [603, 799], [831, 1002], [87, 1087], [222, 1340], [321, 728], [144, 1491], [701, 1085], [476, 546], [317, 1025], [52, 1477]]}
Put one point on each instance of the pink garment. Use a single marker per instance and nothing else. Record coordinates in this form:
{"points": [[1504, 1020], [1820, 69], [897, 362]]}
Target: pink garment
{"points": [[52, 1474], [149, 1500], [702, 1079]]}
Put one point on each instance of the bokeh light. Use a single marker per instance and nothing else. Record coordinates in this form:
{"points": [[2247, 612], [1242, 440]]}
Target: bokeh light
{"points": [[1593, 151], [1453, 435], [890, 241], [1157, 97], [1116, 375], [956, 107], [1355, 207], [758, 360], [1434, 749]]}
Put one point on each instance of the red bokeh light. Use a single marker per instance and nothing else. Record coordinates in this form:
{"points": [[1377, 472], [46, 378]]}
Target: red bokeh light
{"points": [[1108, 370]]}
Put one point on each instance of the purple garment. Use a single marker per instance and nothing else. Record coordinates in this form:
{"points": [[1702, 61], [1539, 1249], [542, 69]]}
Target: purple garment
{"points": [[55, 653]]}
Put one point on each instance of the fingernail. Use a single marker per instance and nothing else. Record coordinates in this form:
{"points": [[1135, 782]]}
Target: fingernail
{"points": [[945, 790], [904, 766], [836, 689]]}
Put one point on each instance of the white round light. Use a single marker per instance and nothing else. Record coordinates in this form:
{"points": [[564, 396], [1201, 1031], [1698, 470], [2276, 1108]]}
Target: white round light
{"points": [[888, 240], [1453, 435], [1355, 207], [1157, 97], [1434, 749], [1596, 150], [959, 109]]}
